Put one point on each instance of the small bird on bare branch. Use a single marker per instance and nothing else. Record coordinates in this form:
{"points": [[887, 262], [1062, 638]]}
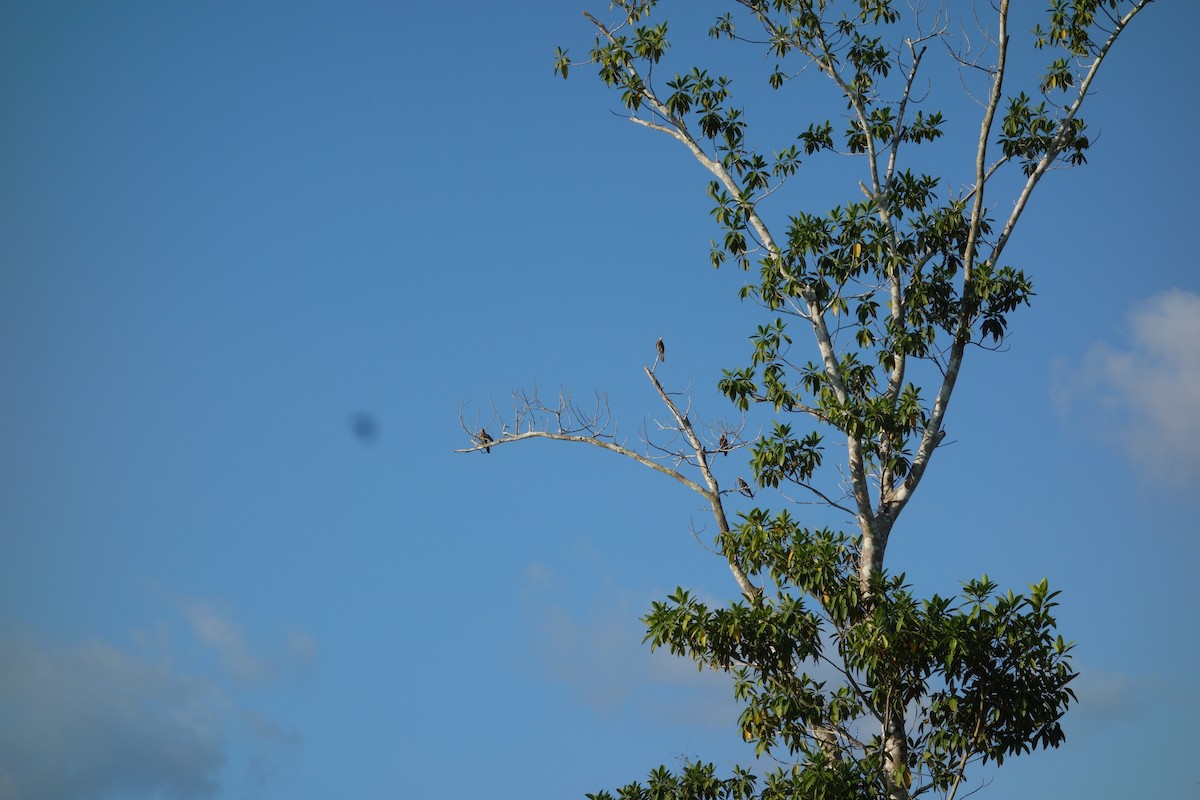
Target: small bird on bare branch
{"points": [[485, 439], [744, 488], [662, 351], [723, 445]]}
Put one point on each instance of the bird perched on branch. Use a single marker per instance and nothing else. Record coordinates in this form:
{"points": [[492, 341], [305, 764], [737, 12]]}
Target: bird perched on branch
{"points": [[662, 351], [485, 439], [723, 445], [744, 488]]}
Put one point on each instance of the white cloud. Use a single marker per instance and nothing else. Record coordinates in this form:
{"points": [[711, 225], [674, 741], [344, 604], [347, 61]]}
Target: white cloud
{"points": [[1109, 700], [600, 654], [91, 720], [1144, 395], [99, 720], [225, 638], [1104, 697], [301, 648], [221, 634]]}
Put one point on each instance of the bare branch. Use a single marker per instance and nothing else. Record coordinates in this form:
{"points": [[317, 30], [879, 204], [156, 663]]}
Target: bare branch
{"points": [[752, 592], [565, 421]]}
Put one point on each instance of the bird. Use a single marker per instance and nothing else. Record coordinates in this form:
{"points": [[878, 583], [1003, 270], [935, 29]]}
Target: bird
{"points": [[662, 351], [485, 439], [744, 488], [723, 445]]}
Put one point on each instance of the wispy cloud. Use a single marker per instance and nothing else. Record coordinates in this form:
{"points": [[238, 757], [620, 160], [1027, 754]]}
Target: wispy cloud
{"points": [[1143, 395], [599, 653], [98, 719], [1104, 697], [93, 720], [223, 636], [219, 632], [1110, 700]]}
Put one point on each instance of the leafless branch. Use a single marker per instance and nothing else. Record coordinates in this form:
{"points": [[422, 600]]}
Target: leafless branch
{"points": [[566, 421]]}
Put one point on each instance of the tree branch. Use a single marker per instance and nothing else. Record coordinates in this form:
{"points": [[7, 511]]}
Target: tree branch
{"points": [[532, 420], [1061, 136]]}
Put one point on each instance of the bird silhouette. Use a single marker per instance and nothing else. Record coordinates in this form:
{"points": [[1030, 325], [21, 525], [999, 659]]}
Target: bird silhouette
{"points": [[485, 439], [723, 445], [662, 351], [744, 488]]}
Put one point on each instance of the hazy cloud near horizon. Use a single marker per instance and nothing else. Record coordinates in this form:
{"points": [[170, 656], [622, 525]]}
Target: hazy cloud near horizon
{"points": [[93, 719], [99, 719], [1142, 394]]}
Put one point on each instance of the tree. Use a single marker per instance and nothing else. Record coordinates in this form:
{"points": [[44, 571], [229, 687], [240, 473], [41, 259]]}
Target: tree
{"points": [[895, 285]]}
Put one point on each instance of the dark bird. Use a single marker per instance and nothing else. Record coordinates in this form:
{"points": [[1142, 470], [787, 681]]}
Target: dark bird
{"points": [[744, 488], [662, 351], [485, 439], [723, 445]]}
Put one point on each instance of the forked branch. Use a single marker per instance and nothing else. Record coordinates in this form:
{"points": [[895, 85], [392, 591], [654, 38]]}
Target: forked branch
{"points": [[566, 422]]}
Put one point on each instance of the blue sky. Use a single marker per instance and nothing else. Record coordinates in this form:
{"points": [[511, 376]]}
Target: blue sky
{"points": [[227, 229]]}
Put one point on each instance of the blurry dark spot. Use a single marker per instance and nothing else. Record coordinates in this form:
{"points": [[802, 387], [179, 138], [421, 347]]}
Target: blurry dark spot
{"points": [[365, 427]]}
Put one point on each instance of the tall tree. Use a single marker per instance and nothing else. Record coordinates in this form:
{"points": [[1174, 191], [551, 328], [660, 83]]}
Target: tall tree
{"points": [[895, 285]]}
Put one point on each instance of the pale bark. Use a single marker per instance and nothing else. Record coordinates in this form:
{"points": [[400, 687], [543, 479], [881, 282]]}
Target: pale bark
{"points": [[875, 518], [574, 426]]}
